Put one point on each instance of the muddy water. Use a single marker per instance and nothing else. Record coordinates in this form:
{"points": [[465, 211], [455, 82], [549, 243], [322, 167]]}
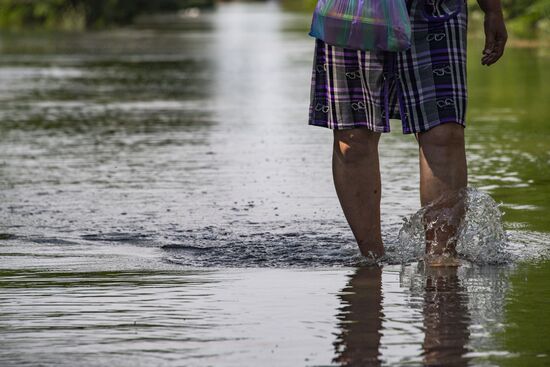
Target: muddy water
{"points": [[163, 202]]}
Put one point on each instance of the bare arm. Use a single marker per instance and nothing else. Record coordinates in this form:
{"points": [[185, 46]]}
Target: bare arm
{"points": [[495, 31]]}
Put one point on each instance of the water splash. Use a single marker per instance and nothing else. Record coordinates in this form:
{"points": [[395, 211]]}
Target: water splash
{"points": [[480, 239], [480, 236]]}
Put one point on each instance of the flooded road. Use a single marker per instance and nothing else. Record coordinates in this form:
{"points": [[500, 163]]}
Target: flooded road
{"points": [[163, 202]]}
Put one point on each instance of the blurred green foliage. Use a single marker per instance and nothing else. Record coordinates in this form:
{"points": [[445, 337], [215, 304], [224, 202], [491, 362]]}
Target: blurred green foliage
{"points": [[525, 17], [528, 15], [81, 14]]}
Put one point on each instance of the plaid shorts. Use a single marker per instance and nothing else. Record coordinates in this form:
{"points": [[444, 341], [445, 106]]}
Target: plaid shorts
{"points": [[424, 86]]}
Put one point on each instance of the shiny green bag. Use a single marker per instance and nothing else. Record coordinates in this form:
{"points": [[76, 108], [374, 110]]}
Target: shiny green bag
{"points": [[363, 24]]}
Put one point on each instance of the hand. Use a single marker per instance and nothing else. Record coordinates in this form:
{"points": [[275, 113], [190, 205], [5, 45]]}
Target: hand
{"points": [[495, 37]]}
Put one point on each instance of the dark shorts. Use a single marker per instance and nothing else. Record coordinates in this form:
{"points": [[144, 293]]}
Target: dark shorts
{"points": [[424, 86]]}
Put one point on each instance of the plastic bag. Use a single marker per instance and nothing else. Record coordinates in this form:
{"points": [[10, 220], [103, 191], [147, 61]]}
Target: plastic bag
{"points": [[363, 24]]}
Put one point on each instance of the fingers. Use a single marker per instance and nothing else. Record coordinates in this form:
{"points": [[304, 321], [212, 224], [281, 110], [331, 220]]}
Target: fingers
{"points": [[489, 49], [494, 49], [495, 38]]}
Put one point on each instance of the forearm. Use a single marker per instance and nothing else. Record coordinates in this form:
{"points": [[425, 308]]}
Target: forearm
{"points": [[490, 6]]}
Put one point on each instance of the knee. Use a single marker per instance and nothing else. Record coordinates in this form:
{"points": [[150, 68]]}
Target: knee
{"points": [[446, 136], [355, 145]]}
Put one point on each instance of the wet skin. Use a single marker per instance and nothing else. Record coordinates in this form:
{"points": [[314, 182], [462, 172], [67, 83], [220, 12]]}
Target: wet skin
{"points": [[443, 170], [356, 173]]}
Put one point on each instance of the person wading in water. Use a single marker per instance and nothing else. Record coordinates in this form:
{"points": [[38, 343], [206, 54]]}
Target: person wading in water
{"points": [[356, 92]]}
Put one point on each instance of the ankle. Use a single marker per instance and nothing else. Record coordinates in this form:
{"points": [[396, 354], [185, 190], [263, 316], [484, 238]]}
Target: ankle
{"points": [[372, 250], [441, 250]]}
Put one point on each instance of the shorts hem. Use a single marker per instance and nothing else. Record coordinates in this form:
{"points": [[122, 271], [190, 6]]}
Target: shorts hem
{"points": [[434, 124], [387, 130], [348, 127]]}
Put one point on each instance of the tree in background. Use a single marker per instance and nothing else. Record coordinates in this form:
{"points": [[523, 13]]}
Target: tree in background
{"points": [[525, 16], [81, 14], [528, 15]]}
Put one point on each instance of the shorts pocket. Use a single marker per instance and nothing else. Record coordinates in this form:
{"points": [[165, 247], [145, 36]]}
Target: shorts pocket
{"points": [[441, 10]]}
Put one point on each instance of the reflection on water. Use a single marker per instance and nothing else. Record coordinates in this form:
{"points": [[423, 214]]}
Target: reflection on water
{"points": [[446, 319], [440, 310], [130, 160], [361, 319], [168, 315]]}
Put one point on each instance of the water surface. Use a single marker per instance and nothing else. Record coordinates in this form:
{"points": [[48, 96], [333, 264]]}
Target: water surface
{"points": [[164, 202]]}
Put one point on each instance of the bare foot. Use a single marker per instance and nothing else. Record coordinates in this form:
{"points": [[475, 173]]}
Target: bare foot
{"points": [[443, 219], [438, 255]]}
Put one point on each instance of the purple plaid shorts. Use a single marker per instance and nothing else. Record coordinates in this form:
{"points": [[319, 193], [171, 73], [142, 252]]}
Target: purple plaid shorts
{"points": [[424, 86]]}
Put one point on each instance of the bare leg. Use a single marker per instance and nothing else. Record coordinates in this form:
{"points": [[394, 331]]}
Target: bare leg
{"points": [[356, 173], [443, 173]]}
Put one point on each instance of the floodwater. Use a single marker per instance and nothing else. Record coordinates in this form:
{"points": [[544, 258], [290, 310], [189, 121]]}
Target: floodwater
{"points": [[163, 202]]}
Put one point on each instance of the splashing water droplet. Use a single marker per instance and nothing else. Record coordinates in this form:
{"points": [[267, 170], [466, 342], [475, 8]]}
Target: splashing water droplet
{"points": [[480, 237]]}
